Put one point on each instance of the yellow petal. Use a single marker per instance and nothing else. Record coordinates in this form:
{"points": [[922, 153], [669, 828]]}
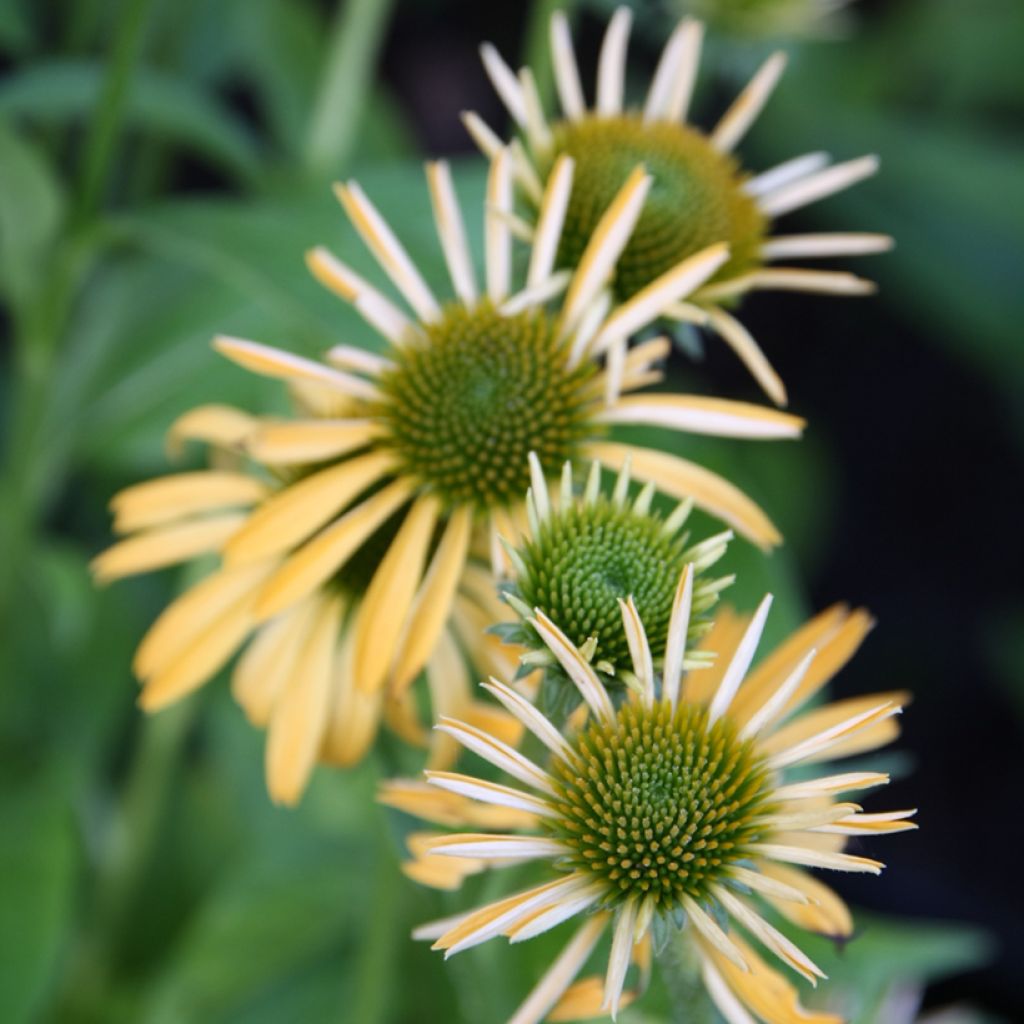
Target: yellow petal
{"points": [[165, 545], [267, 662], [449, 683], [292, 514], [354, 716], [303, 441], [326, 553], [390, 594], [183, 494], [219, 425], [433, 602], [186, 618], [680, 479], [299, 718]]}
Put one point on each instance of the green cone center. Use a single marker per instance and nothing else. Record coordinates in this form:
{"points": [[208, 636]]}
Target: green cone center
{"points": [[466, 405], [585, 558], [696, 198], [659, 803]]}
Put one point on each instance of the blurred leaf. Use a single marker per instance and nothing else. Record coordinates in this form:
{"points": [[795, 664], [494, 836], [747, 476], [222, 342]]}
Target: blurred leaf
{"points": [[38, 865], [16, 33], [31, 205], [58, 90], [885, 952]]}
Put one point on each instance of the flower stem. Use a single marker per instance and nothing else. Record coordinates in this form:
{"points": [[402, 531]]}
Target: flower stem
{"points": [[679, 966]]}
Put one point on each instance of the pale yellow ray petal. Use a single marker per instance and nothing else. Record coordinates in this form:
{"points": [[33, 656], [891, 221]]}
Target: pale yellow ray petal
{"points": [[207, 652], [164, 545], [653, 300], [450, 696], [353, 716], [377, 310], [318, 560], [824, 912], [390, 595], [432, 605], [182, 621], [296, 511], [618, 959], [451, 230], [669, 94], [497, 236], [724, 636], [743, 343], [280, 365], [812, 187], [822, 244], [783, 174], [611, 66], [306, 441], [267, 662], [505, 83], [740, 661], [389, 252], [219, 425], [604, 248], [736, 121], [299, 719], [680, 478], [698, 414], [559, 976], [567, 75], [550, 219]]}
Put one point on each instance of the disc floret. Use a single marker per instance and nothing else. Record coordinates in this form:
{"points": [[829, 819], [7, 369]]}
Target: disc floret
{"points": [[465, 406], [658, 803], [587, 554]]}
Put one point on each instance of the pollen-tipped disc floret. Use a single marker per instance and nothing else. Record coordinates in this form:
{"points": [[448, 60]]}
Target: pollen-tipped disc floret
{"points": [[696, 199], [588, 557], [659, 803], [467, 404]]}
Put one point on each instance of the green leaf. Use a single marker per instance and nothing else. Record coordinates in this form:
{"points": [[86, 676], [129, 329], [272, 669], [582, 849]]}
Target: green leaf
{"points": [[31, 208], [38, 863], [61, 90]]}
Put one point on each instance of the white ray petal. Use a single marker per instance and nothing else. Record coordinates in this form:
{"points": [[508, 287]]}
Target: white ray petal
{"points": [[834, 734], [806, 857], [499, 847], [505, 83], [618, 960], [673, 80], [496, 230], [812, 187], [577, 667], [785, 173], [741, 659], [536, 296], [838, 243], [537, 131], [778, 701], [675, 648], [639, 650], [389, 252], [722, 996], [553, 916], [567, 75], [830, 785], [611, 66], [550, 221], [743, 343], [451, 230], [712, 931], [500, 754], [490, 793], [736, 121], [531, 717]]}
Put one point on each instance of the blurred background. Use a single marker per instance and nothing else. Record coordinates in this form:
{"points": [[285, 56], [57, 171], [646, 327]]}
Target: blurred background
{"points": [[163, 166]]}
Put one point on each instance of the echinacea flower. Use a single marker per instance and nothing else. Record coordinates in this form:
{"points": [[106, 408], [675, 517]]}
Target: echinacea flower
{"points": [[295, 677], [345, 539], [672, 806], [701, 194], [580, 555]]}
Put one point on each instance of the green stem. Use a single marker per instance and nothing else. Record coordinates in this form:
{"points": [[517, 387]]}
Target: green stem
{"points": [[132, 838], [679, 966], [351, 61], [102, 138]]}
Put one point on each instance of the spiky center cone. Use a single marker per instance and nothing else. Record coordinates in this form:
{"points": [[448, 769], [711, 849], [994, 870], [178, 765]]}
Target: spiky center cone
{"points": [[467, 405], [658, 804], [588, 557], [696, 198]]}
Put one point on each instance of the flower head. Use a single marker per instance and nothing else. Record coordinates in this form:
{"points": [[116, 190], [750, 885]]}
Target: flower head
{"points": [[582, 555], [700, 195], [349, 536], [670, 804]]}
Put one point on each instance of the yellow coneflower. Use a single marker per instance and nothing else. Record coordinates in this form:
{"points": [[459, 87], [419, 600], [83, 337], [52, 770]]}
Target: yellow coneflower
{"points": [[295, 677], [349, 547], [701, 194], [581, 554], [672, 805]]}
